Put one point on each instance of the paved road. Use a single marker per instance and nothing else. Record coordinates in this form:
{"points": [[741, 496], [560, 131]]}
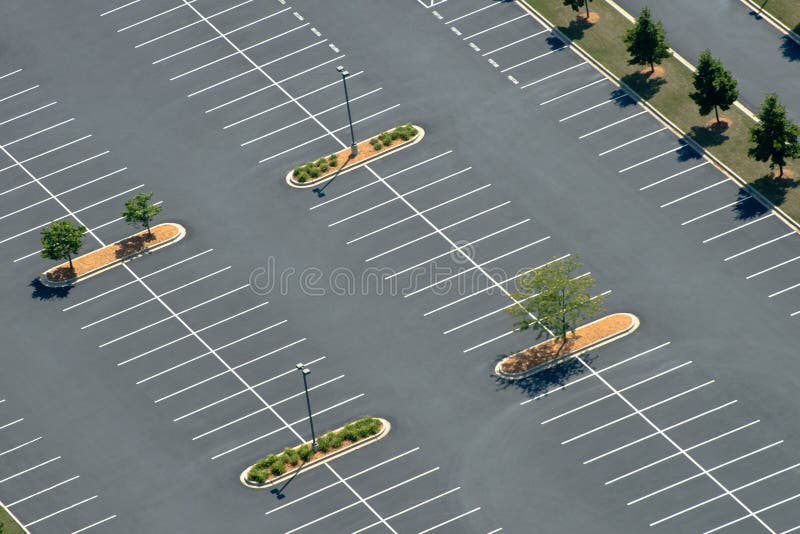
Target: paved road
{"points": [[761, 58], [157, 383]]}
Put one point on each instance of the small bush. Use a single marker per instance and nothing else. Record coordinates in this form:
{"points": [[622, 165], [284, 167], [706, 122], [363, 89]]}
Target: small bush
{"points": [[333, 160], [291, 455], [256, 476], [302, 179], [308, 167], [320, 161], [336, 440], [313, 172], [323, 444], [278, 468], [305, 452], [324, 167], [266, 462], [297, 171]]}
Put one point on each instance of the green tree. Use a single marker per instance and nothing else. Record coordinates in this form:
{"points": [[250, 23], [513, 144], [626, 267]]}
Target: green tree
{"points": [[714, 86], [61, 240], [139, 211], [553, 300], [775, 137], [577, 4], [647, 42]]}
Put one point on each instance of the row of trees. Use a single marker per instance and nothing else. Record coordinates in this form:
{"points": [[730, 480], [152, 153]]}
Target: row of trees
{"points": [[62, 240], [775, 138]]}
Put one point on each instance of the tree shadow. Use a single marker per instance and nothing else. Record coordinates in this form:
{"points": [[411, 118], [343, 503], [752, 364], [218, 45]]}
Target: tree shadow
{"points": [[132, 245], [686, 152], [555, 43], [645, 85], [576, 28], [42, 292], [789, 47], [547, 381], [775, 189], [707, 136], [622, 98]]}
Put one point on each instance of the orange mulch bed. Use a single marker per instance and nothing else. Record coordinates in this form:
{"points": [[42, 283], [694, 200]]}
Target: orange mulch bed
{"points": [[551, 349], [788, 174], [112, 252], [657, 73], [723, 124], [593, 18]]}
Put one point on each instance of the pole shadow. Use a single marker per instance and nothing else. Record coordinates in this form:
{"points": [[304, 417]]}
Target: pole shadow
{"points": [[320, 191]]}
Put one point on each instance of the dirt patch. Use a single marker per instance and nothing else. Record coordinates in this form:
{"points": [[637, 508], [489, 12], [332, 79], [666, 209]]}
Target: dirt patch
{"points": [[658, 72], [718, 127], [110, 253], [551, 349], [788, 174], [591, 19]]}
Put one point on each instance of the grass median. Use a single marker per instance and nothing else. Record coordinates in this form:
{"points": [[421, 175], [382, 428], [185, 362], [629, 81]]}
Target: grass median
{"points": [[9, 525], [670, 95], [787, 11]]}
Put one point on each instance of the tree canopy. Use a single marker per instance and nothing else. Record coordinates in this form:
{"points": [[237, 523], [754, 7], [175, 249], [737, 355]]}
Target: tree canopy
{"points": [[139, 211], [647, 41], [577, 4], [775, 137], [62, 240], [714, 86]]}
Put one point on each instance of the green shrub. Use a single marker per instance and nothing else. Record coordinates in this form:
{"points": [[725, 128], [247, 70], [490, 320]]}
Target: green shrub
{"points": [[292, 458], [308, 166], [302, 179], [333, 159], [278, 468], [256, 476], [314, 172], [297, 171], [323, 167], [305, 452], [336, 440], [266, 462]]}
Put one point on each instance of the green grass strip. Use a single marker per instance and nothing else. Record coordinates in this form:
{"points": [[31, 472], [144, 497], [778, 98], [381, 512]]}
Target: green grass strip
{"points": [[10, 526], [787, 11], [670, 95]]}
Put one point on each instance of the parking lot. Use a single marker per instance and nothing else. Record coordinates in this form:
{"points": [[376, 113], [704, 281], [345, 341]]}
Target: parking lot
{"points": [[208, 364]]}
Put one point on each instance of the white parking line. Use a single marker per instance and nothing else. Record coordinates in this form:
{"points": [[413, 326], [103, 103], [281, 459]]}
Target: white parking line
{"points": [[782, 291], [652, 158], [393, 199], [673, 455], [662, 180], [42, 491], [745, 225], [154, 39], [198, 45], [553, 75], [717, 210], [383, 491], [212, 325], [633, 414], [404, 219], [29, 89], [468, 37], [233, 54], [70, 507], [759, 246], [693, 477], [409, 509], [754, 514], [143, 277], [530, 60], [430, 234], [37, 156], [451, 251], [28, 470], [177, 314], [153, 17], [10, 74], [605, 102], [300, 121], [226, 371], [621, 390], [781, 264], [693, 193], [17, 447], [12, 423], [573, 91], [610, 150], [70, 190], [286, 427], [123, 6], [96, 523], [12, 119], [390, 108], [451, 520], [490, 52], [471, 13], [620, 121], [39, 131], [600, 371], [142, 303]]}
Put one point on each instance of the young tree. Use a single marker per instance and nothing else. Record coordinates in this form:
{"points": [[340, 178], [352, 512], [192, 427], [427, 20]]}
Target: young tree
{"points": [[139, 211], [647, 43], [577, 4], [775, 137], [714, 86], [61, 240], [552, 299]]}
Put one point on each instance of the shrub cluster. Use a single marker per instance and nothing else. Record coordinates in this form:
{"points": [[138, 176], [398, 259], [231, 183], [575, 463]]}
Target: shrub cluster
{"points": [[405, 132], [276, 465], [313, 169]]}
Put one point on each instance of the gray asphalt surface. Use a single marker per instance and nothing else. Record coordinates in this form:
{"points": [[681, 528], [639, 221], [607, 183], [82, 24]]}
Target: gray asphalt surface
{"points": [[158, 382], [761, 58]]}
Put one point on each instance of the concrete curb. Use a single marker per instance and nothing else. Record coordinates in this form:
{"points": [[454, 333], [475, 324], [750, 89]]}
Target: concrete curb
{"points": [[561, 359], [15, 518], [722, 167], [772, 19], [387, 427], [292, 183], [94, 272]]}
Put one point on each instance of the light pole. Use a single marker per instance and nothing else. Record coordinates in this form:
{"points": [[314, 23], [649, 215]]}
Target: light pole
{"points": [[353, 146], [305, 371]]}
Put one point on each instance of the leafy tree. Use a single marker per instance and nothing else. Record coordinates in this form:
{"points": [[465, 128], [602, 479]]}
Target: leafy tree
{"points": [[553, 300], [647, 43], [139, 211], [775, 137], [61, 240], [577, 4], [714, 86]]}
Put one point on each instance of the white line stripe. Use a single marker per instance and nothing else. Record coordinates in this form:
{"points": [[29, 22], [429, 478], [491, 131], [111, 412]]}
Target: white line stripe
{"points": [[782, 291], [70, 507], [65, 145], [40, 131], [489, 53], [674, 175], [471, 13], [30, 469], [552, 75], [738, 227], [693, 193], [468, 37], [609, 101], [456, 518], [10, 74], [84, 529], [759, 246], [717, 210], [17, 447], [42, 491], [530, 60], [148, 19], [612, 124], [12, 423], [120, 7], [648, 160], [28, 113], [754, 514], [492, 340], [610, 150], [410, 508], [154, 39], [19, 93], [781, 264], [572, 91]]}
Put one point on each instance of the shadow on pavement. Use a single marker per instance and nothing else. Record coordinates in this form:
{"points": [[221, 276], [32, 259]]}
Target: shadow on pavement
{"points": [[773, 188], [42, 292], [789, 48], [546, 381]]}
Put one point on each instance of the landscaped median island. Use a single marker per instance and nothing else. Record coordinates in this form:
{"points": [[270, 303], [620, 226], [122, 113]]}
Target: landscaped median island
{"points": [[324, 169], [112, 255], [278, 467], [554, 351]]}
